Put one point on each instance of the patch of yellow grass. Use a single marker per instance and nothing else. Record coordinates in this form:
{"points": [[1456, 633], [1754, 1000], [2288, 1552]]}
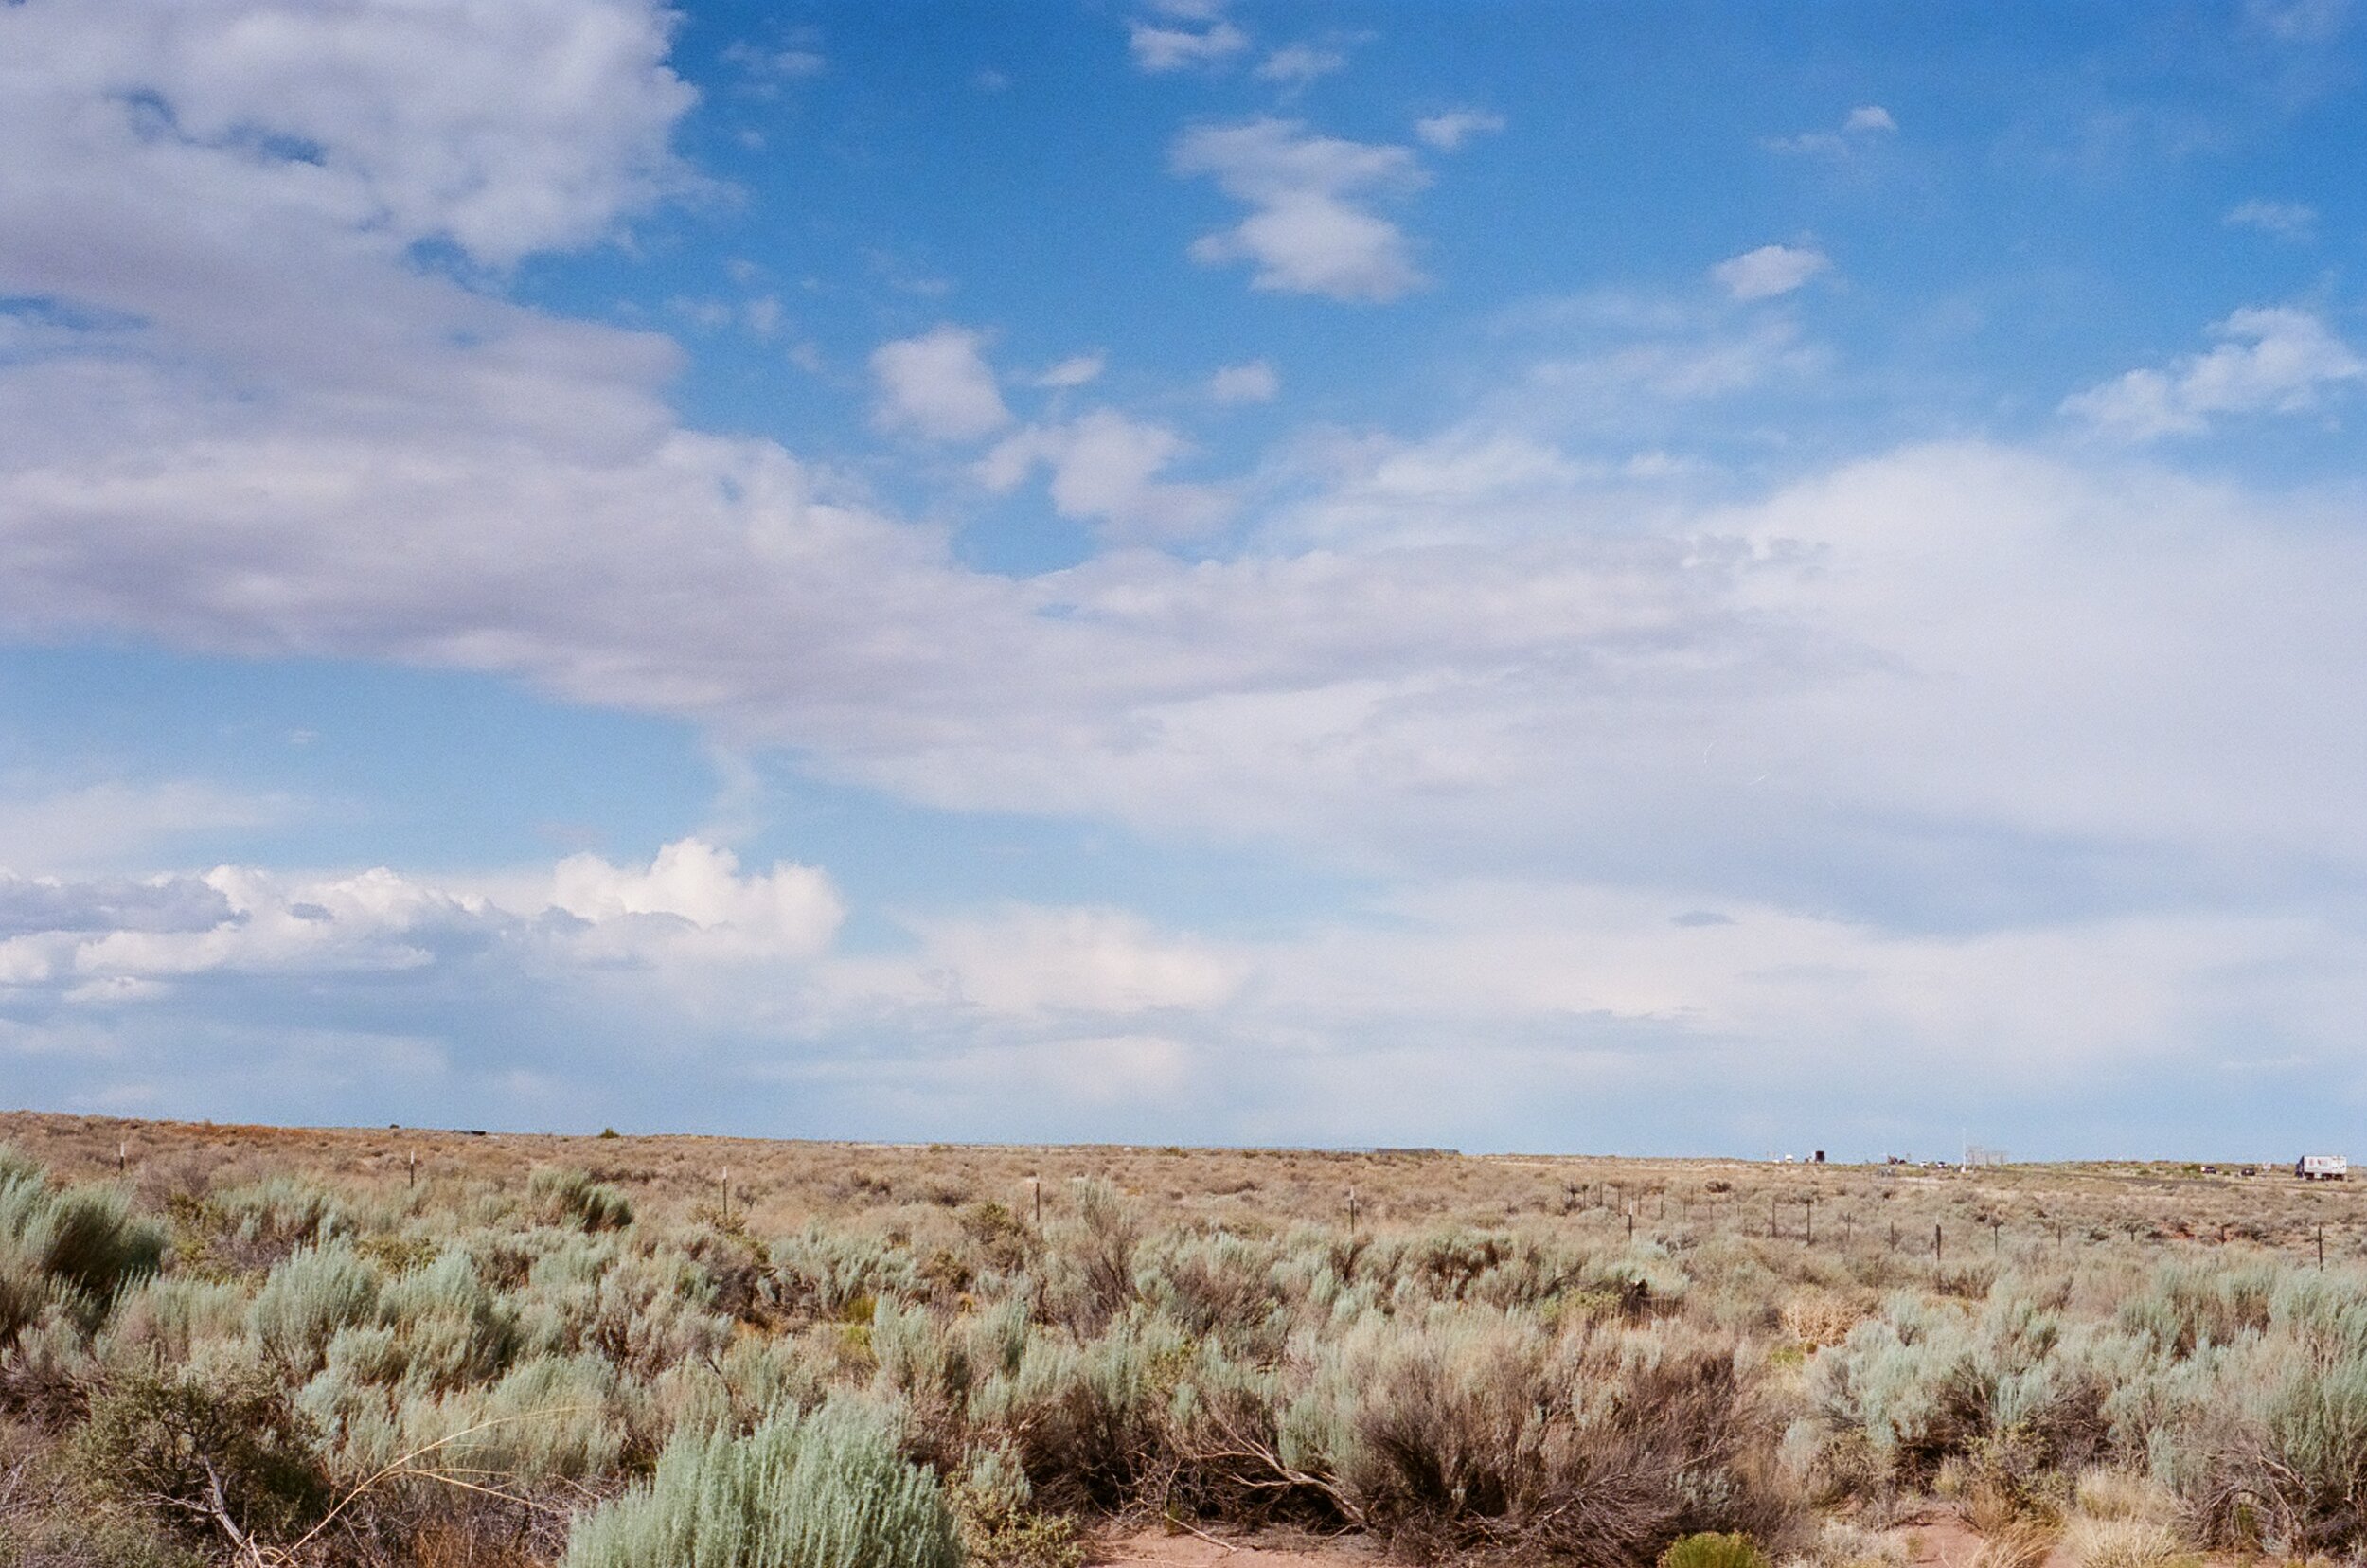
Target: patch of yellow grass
{"points": [[2021, 1544], [2110, 1495], [2124, 1544], [1819, 1318]]}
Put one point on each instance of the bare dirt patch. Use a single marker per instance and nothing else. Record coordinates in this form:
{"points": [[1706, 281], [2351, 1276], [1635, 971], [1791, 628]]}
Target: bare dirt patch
{"points": [[1161, 1547]]}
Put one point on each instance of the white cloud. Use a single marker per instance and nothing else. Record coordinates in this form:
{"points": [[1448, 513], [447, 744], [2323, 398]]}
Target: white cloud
{"points": [[790, 912], [1857, 128], [1450, 131], [1647, 369], [2285, 219], [1308, 230], [1077, 370], [1105, 468], [121, 941], [1255, 381], [113, 825], [1034, 960], [2272, 358], [405, 123], [1296, 65], [790, 63], [1770, 271], [938, 384], [1160, 50]]}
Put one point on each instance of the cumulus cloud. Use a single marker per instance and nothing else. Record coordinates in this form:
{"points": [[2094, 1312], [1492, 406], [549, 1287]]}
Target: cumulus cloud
{"points": [[790, 911], [1450, 131], [37, 904], [938, 386], [120, 940], [1163, 48], [404, 123], [1105, 468], [1253, 381], [1311, 228], [1770, 271], [2271, 359], [2284, 219]]}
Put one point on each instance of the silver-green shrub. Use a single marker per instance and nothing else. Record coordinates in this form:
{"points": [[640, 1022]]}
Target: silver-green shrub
{"points": [[822, 1490], [307, 1298]]}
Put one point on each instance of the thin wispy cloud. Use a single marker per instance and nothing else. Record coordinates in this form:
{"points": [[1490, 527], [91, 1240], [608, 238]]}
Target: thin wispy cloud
{"points": [[1861, 127], [1450, 131], [1253, 383], [1296, 65], [2284, 219]]}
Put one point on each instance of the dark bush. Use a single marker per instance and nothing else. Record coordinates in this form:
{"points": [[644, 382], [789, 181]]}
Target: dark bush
{"points": [[224, 1459]]}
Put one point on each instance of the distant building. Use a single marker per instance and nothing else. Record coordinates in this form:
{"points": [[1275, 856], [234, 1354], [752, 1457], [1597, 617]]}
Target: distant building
{"points": [[2321, 1168]]}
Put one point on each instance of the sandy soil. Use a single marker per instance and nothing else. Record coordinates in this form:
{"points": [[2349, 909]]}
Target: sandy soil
{"points": [[1938, 1539], [1163, 1548]]}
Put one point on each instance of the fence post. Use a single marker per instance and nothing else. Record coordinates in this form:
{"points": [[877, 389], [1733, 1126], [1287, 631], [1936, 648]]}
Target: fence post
{"points": [[1935, 1245]]}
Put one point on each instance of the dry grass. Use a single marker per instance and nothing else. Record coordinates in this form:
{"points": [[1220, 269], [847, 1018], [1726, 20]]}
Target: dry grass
{"points": [[2116, 1496], [2016, 1215], [2023, 1543], [2124, 1544]]}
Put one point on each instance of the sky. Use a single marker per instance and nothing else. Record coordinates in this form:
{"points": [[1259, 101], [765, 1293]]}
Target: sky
{"points": [[1635, 578]]}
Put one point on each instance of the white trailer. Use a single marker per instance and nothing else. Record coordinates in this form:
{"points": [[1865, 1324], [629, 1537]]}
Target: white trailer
{"points": [[2321, 1168]]}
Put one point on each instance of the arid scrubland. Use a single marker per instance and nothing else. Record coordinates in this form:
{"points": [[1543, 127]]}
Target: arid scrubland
{"points": [[241, 1344]]}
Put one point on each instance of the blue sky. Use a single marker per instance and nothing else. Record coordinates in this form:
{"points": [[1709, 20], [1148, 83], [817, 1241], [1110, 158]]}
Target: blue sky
{"points": [[1657, 579]]}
